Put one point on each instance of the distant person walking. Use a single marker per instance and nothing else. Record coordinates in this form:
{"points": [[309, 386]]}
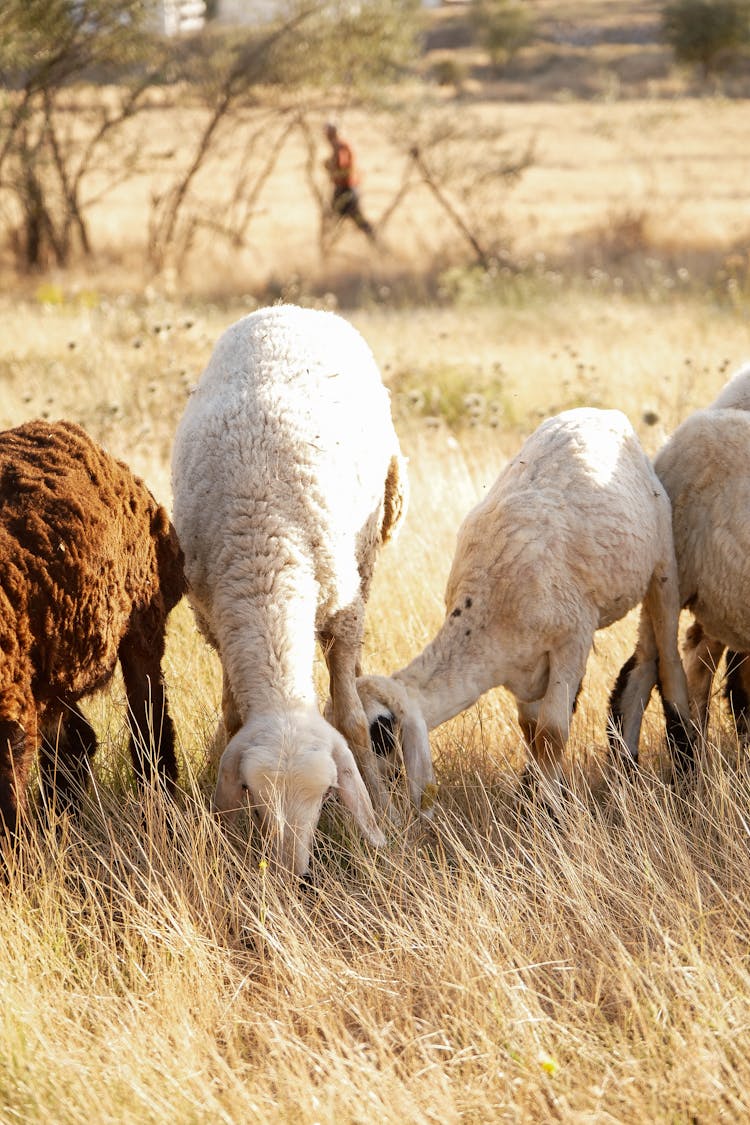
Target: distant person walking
{"points": [[342, 171]]}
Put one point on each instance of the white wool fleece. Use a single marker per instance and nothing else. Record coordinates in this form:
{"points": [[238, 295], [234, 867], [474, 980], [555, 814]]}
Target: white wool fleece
{"points": [[287, 479]]}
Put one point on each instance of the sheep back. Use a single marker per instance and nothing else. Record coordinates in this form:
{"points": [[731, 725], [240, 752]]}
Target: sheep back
{"points": [[578, 500], [286, 458], [735, 394], [84, 548]]}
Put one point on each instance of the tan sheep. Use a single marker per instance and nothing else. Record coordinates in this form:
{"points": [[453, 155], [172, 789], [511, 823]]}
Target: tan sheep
{"points": [[573, 534], [705, 470]]}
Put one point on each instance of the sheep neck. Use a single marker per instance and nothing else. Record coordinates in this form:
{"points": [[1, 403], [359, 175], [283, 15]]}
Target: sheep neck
{"points": [[268, 650], [443, 680]]}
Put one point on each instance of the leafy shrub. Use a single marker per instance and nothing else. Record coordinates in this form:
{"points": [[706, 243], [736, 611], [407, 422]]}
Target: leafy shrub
{"points": [[703, 32], [502, 26], [449, 72]]}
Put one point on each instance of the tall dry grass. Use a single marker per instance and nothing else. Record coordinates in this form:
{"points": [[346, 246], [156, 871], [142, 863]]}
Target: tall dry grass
{"points": [[485, 967]]}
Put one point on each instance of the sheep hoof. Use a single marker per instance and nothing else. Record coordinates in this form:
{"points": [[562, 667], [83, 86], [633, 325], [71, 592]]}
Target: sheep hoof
{"points": [[541, 793], [681, 745], [428, 798], [624, 763]]}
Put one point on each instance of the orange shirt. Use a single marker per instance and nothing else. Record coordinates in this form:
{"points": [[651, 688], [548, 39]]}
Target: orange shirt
{"points": [[341, 166]]}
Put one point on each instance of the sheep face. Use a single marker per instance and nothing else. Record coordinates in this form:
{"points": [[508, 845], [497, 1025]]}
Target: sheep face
{"points": [[282, 767]]}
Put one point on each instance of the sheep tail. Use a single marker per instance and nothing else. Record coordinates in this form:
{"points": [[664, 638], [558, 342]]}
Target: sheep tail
{"points": [[169, 559], [396, 497]]}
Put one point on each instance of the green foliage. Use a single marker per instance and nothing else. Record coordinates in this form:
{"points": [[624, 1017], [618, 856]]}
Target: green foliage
{"points": [[502, 26], [460, 395], [449, 71], [44, 43], [702, 32], [359, 45], [50, 294], [310, 45]]}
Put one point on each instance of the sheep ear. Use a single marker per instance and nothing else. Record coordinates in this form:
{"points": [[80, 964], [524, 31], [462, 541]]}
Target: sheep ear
{"points": [[415, 747], [354, 795], [396, 498], [225, 795]]}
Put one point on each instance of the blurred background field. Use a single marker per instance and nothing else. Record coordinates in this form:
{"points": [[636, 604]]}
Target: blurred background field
{"points": [[576, 234], [585, 150]]}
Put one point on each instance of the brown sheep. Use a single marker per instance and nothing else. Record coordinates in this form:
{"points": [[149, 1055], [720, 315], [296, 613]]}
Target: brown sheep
{"points": [[90, 567]]}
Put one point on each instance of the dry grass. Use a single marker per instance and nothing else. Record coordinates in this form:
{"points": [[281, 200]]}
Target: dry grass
{"points": [[675, 165], [481, 969], [631, 158]]}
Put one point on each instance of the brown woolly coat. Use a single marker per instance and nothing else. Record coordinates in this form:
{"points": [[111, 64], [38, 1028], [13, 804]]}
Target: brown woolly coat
{"points": [[90, 567]]}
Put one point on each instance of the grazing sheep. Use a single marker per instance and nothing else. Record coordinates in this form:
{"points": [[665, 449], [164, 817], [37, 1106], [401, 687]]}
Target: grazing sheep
{"points": [[89, 569], [705, 470], [572, 535], [287, 479], [699, 657]]}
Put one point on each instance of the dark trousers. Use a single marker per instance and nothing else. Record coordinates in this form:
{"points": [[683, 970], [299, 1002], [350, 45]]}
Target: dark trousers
{"points": [[345, 205]]}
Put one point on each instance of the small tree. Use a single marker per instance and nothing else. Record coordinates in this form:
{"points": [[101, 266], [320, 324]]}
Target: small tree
{"points": [[46, 47], [502, 26], [702, 32], [462, 163], [304, 62]]}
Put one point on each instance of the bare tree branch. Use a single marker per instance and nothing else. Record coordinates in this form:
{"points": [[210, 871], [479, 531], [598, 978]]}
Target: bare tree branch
{"points": [[236, 81]]}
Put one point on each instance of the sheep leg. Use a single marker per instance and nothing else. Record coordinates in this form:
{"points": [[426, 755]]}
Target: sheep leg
{"points": [[229, 709], [631, 693], [528, 716], [67, 748], [736, 692], [17, 749], [347, 713], [549, 734], [229, 723], [702, 656], [151, 729], [662, 605]]}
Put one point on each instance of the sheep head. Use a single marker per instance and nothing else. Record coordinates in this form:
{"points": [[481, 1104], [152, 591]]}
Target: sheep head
{"points": [[282, 767], [395, 718]]}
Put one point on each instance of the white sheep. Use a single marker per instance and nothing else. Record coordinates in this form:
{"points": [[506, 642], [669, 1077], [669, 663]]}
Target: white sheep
{"points": [[572, 535], [702, 654], [705, 469], [735, 394], [287, 479]]}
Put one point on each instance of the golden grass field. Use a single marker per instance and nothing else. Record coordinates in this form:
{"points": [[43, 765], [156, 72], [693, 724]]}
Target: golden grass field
{"points": [[608, 177], [630, 156], [483, 968]]}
